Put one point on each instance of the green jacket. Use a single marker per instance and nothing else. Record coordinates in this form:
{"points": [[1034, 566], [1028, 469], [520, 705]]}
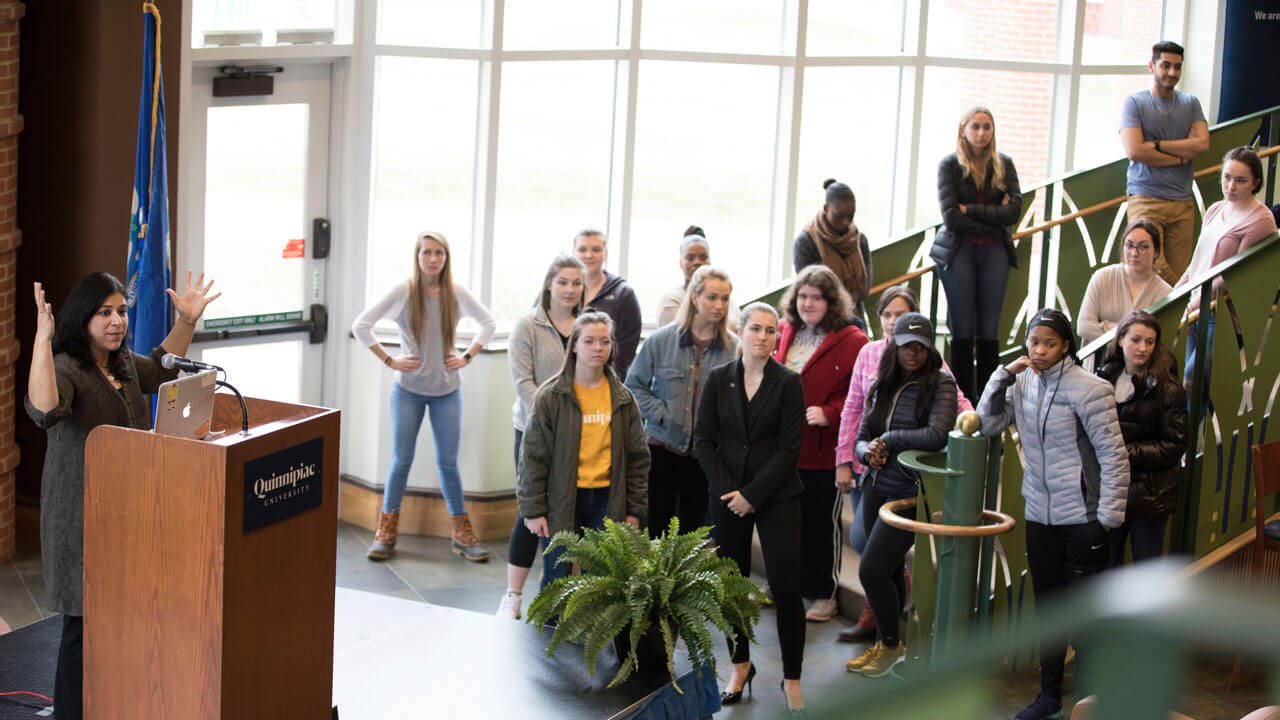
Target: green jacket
{"points": [[548, 478]]}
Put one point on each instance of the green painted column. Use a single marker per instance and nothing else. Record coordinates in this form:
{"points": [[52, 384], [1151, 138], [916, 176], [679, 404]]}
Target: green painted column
{"points": [[958, 557]]}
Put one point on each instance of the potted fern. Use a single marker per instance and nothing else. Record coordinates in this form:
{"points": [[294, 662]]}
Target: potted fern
{"points": [[631, 586]]}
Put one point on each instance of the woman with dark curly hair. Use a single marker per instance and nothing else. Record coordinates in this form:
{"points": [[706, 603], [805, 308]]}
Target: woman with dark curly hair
{"points": [[816, 340]]}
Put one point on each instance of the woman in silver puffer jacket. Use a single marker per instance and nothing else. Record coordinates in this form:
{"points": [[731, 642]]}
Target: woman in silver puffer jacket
{"points": [[1075, 476]]}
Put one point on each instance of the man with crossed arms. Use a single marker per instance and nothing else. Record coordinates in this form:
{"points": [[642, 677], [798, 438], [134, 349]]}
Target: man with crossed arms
{"points": [[1163, 130]]}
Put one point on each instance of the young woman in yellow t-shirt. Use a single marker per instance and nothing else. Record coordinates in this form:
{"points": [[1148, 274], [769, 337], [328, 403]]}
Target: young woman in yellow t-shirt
{"points": [[584, 456]]}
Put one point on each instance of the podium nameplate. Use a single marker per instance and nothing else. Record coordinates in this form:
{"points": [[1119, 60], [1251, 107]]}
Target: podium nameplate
{"points": [[283, 484]]}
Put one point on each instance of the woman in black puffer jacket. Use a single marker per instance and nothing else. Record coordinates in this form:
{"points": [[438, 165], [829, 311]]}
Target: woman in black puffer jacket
{"points": [[911, 406], [1152, 407], [981, 202]]}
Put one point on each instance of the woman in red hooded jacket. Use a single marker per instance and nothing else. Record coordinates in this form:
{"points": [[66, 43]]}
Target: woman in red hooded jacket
{"points": [[816, 340]]}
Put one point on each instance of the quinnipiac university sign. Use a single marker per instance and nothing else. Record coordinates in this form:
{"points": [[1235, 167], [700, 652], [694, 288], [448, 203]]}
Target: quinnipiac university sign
{"points": [[283, 484]]}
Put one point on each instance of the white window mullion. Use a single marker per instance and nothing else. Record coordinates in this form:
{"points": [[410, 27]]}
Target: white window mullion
{"points": [[787, 143], [1063, 123], [486, 175], [917, 105], [622, 181]]}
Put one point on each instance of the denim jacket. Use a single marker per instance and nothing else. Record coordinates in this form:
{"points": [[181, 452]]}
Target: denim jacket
{"points": [[662, 379]]}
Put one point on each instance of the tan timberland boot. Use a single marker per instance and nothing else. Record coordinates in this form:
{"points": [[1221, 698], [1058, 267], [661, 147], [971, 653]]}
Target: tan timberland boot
{"points": [[464, 540], [384, 541]]}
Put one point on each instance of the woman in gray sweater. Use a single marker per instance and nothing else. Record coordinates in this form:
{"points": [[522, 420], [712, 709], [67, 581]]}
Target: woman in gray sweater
{"points": [[82, 376], [536, 354]]}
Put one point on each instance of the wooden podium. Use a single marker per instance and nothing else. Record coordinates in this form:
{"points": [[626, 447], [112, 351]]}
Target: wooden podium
{"points": [[209, 568]]}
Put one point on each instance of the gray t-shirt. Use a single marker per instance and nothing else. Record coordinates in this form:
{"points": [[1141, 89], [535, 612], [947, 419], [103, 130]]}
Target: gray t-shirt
{"points": [[1161, 120]]}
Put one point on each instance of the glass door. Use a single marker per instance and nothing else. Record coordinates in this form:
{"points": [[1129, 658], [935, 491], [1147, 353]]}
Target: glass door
{"points": [[257, 224]]}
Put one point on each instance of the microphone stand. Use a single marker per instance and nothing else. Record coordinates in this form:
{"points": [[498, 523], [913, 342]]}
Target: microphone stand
{"points": [[244, 411]]}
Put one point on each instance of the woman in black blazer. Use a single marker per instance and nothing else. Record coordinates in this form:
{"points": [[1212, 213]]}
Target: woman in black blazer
{"points": [[747, 439]]}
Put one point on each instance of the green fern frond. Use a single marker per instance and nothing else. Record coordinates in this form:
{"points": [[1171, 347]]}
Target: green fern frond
{"points": [[610, 621], [674, 583]]}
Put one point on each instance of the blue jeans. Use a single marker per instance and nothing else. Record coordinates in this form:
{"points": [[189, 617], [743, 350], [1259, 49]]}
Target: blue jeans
{"points": [[590, 510], [1191, 355], [857, 533], [407, 409], [975, 282]]}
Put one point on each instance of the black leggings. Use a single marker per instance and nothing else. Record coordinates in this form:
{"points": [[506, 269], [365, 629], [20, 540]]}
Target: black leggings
{"points": [[1060, 556], [779, 526], [522, 546], [68, 680], [677, 488], [883, 564], [821, 534]]}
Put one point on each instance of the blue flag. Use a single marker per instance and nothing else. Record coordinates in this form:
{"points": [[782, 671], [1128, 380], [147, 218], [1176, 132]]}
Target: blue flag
{"points": [[150, 309]]}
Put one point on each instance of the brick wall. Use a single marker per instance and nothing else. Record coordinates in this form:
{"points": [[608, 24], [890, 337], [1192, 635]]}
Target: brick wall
{"points": [[10, 239]]}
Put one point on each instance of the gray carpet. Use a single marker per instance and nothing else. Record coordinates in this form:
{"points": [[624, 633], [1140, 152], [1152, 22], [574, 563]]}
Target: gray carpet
{"points": [[27, 658]]}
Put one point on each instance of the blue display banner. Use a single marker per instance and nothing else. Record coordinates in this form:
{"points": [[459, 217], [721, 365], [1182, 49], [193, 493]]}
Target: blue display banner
{"points": [[283, 484], [1250, 56]]}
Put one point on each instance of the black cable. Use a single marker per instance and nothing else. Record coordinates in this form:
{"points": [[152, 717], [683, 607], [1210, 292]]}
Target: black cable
{"points": [[244, 411]]}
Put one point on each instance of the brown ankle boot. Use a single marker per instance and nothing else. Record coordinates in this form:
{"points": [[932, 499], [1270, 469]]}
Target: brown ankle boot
{"points": [[464, 540], [384, 541]]}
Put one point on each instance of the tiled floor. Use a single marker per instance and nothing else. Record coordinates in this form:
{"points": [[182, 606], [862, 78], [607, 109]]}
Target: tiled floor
{"points": [[425, 570]]}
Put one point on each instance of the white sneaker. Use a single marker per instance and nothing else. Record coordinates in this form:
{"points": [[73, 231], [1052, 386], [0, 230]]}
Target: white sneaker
{"points": [[509, 607], [821, 610]]}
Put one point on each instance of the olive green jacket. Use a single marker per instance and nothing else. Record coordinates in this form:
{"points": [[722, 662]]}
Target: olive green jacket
{"points": [[548, 477]]}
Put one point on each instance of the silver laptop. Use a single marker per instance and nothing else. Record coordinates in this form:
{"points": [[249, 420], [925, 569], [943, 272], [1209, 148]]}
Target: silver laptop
{"points": [[185, 406]]}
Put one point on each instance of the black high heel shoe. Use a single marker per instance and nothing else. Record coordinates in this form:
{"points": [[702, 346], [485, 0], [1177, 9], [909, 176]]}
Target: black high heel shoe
{"points": [[790, 710], [734, 697]]}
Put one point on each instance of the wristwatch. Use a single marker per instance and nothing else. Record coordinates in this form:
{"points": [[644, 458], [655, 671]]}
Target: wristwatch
{"points": [[1158, 147], [467, 355]]}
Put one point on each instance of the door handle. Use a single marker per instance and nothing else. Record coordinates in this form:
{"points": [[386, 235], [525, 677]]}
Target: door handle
{"points": [[317, 328]]}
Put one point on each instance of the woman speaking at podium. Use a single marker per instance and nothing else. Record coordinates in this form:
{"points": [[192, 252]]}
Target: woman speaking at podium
{"points": [[84, 375]]}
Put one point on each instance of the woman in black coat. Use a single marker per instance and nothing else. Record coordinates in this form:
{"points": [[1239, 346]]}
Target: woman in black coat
{"points": [[1152, 407], [911, 406], [981, 202], [750, 426]]}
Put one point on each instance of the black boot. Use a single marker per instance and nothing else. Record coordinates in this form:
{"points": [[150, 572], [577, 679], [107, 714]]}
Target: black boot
{"points": [[988, 359], [962, 364]]}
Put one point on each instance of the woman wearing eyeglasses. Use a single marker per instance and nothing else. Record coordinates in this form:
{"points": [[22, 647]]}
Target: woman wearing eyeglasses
{"points": [[1131, 284]]}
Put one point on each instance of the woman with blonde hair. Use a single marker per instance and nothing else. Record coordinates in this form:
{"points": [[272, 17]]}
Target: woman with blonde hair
{"points": [[695, 252], [426, 308], [816, 340], [751, 421], [669, 372], [981, 202], [584, 457]]}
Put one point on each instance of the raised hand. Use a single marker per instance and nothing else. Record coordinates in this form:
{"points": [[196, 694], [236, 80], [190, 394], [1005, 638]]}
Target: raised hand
{"points": [[191, 304], [44, 316]]}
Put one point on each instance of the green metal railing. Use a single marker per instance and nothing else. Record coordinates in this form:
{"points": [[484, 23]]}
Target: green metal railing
{"points": [[1137, 629], [1055, 263], [1054, 267]]}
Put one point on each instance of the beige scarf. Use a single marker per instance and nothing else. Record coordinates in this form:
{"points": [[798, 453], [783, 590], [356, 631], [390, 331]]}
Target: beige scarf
{"points": [[841, 253]]}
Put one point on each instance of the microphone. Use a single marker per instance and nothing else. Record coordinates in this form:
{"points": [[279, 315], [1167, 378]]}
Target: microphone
{"points": [[173, 362]]}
